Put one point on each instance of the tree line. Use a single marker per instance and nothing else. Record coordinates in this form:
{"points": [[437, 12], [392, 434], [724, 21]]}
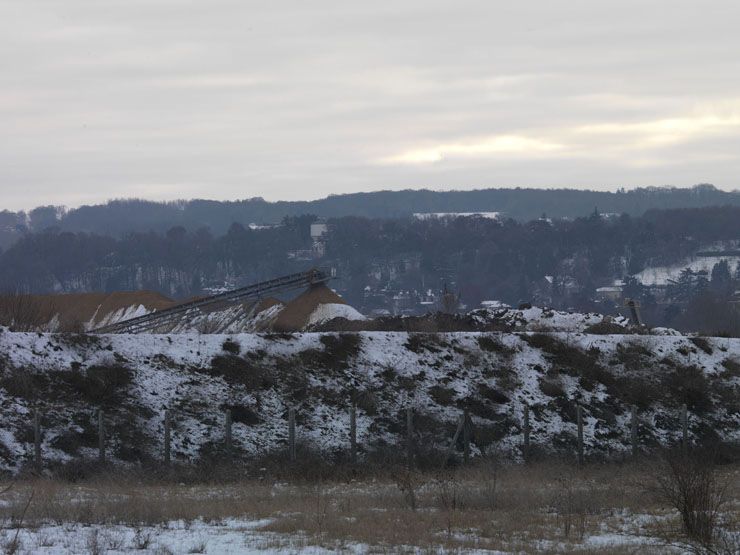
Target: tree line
{"points": [[559, 262]]}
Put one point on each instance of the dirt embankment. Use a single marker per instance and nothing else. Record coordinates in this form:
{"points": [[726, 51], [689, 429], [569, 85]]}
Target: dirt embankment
{"points": [[74, 311], [295, 316]]}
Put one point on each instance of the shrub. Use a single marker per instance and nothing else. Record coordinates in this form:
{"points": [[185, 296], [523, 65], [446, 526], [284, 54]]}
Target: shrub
{"points": [[492, 345], [702, 343], [366, 401], [442, 395], [605, 327], [572, 360], [101, 384], [633, 356], [341, 347], [23, 384], [242, 414], [641, 392], [236, 370], [492, 394], [551, 388], [688, 482], [338, 351], [231, 346], [732, 368], [689, 385], [420, 342]]}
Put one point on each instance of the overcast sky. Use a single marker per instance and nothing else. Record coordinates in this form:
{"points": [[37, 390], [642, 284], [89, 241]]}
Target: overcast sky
{"points": [[296, 100]]}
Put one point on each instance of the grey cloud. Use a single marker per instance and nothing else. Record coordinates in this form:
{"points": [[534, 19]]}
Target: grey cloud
{"points": [[233, 99]]}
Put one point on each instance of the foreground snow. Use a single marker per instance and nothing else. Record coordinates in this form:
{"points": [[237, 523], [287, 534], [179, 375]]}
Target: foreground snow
{"points": [[232, 536], [244, 537]]}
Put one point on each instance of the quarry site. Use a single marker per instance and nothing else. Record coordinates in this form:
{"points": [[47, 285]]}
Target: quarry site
{"points": [[419, 278], [246, 422]]}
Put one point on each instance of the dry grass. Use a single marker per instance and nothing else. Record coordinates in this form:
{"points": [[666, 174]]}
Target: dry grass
{"points": [[546, 507]]}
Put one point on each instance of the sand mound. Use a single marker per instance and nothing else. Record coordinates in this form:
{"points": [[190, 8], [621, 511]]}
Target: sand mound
{"points": [[297, 313], [122, 301], [77, 311]]}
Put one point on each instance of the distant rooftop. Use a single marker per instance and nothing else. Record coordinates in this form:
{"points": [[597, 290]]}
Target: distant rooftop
{"points": [[450, 215]]}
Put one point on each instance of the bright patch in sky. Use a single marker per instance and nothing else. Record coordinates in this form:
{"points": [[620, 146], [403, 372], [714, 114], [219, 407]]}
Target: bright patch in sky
{"points": [[505, 144]]}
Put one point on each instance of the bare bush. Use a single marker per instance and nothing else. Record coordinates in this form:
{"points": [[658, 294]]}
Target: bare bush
{"points": [[572, 502], [24, 312], [93, 542], [408, 483], [689, 482], [448, 496]]}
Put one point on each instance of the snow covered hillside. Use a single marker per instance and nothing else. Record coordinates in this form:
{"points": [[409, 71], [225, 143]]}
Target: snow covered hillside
{"points": [[133, 378], [662, 275]]}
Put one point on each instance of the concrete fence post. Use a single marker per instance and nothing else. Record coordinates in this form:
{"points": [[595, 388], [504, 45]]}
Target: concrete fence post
{"points": [[37, 440], [101, 436], [353, 434], [458, 430], [579, 417], [466, 436], [633, 431], [227, 432], [526, 433], [410, 437], [291, 435], [167, 438]]}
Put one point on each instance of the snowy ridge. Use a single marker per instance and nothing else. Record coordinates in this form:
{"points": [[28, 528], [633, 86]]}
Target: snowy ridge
{"points": [[493, 375], [545, 319]]}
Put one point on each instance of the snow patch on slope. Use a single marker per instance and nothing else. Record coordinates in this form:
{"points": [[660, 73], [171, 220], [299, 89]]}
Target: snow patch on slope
{"points": [[545, 319], [116, 316], [662, 275], [329, 311]]}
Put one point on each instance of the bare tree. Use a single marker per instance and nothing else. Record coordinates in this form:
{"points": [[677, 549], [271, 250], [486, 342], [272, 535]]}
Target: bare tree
{"points": [[21, 312], [449, 301]]}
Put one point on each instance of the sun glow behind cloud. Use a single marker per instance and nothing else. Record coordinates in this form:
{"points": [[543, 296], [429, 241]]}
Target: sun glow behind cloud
{"points": [[491, 146], [669, 130], [598, 140]]}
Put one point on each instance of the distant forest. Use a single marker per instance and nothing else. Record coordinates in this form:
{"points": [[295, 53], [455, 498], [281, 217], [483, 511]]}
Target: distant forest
{"points": [[118, 217], [550, 261]]}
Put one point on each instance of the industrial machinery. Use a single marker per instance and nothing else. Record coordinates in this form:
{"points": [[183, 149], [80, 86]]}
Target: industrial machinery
{"points": [[250, 293]]}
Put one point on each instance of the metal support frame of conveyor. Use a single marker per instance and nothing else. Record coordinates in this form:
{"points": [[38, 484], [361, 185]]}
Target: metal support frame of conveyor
{"points": [[249, 293]]}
